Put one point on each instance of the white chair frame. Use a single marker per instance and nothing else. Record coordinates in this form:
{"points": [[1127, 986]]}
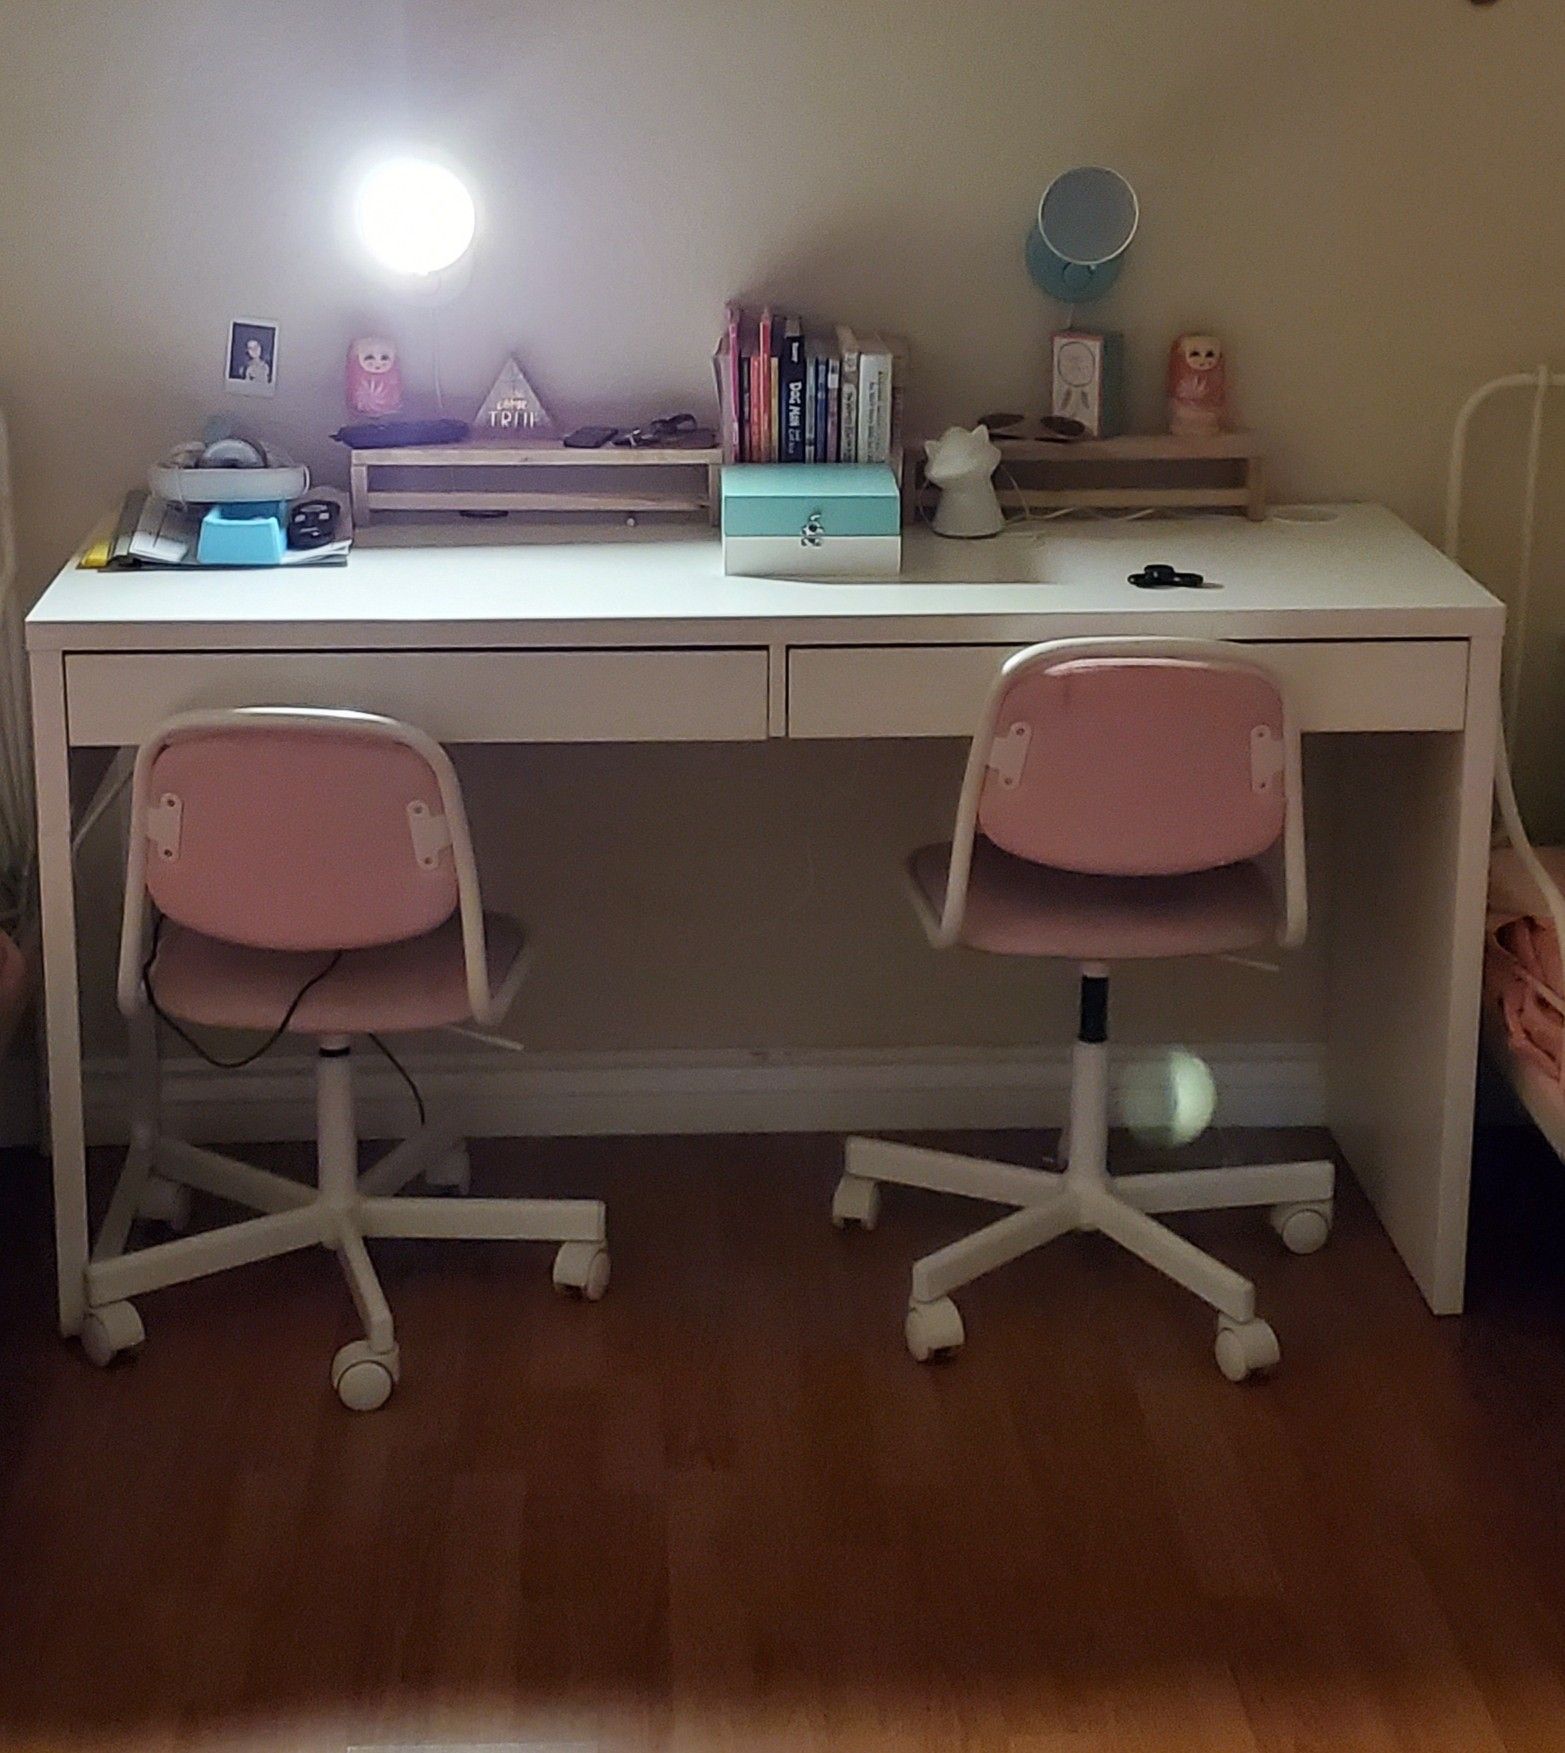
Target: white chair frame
{"points": [[345, 1207], [1082, 1194]]}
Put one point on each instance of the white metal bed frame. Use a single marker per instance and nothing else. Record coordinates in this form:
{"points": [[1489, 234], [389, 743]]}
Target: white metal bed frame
{"points": [[1544, 1102]]}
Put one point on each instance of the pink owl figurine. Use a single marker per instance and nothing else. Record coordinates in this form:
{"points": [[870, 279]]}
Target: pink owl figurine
{"points": [[1197, 387], [374, 377]]}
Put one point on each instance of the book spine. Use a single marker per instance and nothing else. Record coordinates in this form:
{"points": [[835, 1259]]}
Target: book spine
{"points": [[833, 409], [887, 370], [728, 416], [720, 383], [757, 410], [791, 377], [774, 438], [745, 450], [866, 419], [765, 388], [812, 370], [874, 435], [731, 378], [818, 403], [898, 348], [882, 433], [849, 452]]}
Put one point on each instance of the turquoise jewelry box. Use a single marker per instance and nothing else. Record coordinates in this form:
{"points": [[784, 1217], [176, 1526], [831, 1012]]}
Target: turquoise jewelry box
{"points": [[812, 520]]}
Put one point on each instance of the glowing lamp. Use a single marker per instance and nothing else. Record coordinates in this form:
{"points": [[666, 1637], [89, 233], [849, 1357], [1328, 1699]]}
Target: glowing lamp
{"points": [[415, 217]]}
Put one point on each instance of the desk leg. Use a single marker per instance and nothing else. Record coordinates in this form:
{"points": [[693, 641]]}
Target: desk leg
{"points": [[57, 900], [1406, 875]]}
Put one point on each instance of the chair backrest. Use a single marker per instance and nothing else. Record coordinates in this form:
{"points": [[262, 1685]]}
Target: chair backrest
{"points": [[1136, 766], [288, 829], [1133, 758]]}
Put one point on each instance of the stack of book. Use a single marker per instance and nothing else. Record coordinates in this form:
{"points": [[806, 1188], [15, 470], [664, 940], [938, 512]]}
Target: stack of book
{"points": [[789, 393]]}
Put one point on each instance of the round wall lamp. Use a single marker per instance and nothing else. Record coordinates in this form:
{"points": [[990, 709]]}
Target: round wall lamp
{"points": [[1086, 221], [417, 221]]}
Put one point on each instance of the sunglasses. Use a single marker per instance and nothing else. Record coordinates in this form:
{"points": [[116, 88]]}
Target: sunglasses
{"points": [[1052, 428], [674, 429]]}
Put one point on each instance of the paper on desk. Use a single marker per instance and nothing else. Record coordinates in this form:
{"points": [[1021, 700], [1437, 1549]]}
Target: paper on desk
{"points": [[153, 532]]}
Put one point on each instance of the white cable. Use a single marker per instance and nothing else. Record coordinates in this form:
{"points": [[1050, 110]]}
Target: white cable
{"points": [[1256, 963], [116, 777], [506, 1043], [1021, 500]]}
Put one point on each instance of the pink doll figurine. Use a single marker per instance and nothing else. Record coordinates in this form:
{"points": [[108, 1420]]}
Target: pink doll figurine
{"points": [[374, 377], [1197, 387]]}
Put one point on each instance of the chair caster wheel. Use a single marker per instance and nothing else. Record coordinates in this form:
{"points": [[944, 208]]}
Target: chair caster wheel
{"points": [[166, 1202], [856, 1203], [934, 1330], [113, 1331], [1304, 1227], [452, 1174], [1245, 1348], [582, 1269], [364, 1378]]}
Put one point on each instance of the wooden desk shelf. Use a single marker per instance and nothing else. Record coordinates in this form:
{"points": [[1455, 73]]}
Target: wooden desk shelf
{"points": [[1151, 472], [496, 475]]}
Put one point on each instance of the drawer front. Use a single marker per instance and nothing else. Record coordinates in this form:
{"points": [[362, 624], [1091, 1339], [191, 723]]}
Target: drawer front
{"points": [[117, 698], [938, 690], [835, 557]]}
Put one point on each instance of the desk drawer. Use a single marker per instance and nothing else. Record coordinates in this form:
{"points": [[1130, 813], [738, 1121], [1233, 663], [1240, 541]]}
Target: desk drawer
{"points": [[457, 696], [938, 690]]}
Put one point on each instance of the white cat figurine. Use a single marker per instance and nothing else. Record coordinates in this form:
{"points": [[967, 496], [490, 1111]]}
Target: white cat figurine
{"points": [[960, 464]]}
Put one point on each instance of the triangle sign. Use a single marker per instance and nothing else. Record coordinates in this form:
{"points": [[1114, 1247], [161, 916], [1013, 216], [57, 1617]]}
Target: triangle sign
{"points": [[513, 406]]}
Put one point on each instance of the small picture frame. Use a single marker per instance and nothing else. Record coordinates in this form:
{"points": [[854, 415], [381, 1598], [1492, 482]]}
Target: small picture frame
{"points": [[250, 365]]}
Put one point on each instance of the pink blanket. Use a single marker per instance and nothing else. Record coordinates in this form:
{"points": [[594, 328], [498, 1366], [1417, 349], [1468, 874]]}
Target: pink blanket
{"points": [[1524, 982]]}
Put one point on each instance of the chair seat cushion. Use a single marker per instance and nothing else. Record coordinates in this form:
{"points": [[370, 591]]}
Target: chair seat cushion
{"points": [[1017, 908], [419, 983]]}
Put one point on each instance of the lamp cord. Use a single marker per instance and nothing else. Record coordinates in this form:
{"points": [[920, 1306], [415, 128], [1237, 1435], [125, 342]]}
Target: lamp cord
{"points": [[406, 1076], [176, 1028], [210, 1058]]}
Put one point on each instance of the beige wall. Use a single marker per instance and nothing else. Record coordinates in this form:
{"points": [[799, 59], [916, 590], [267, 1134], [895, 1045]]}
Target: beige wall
{"points": [[1362, 198]]}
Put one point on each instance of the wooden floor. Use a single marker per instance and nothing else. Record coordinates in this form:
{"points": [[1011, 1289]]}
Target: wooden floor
{"points": [[723, 1508]]}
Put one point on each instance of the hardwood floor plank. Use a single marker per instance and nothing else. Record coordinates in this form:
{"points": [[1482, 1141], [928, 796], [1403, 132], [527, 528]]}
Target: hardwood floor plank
{"points": [[723, 1509]]}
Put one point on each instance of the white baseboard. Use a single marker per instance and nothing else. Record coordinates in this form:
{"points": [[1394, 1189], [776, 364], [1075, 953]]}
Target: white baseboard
{"points": [[503, 1094]]}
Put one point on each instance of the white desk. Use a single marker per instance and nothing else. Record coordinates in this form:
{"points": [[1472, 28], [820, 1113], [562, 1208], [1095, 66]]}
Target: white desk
{"points": [[484, 633]]}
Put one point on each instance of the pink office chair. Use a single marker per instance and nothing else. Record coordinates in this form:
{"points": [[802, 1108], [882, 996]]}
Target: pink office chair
{"points": [[313, 873], [1119, 801]]}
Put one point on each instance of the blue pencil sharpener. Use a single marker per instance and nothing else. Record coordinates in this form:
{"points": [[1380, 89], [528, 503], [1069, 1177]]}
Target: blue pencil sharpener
{"points": [[245, 533]]}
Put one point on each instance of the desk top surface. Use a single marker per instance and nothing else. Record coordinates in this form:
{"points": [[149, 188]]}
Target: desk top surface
{"points": [[1353, 571]]}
